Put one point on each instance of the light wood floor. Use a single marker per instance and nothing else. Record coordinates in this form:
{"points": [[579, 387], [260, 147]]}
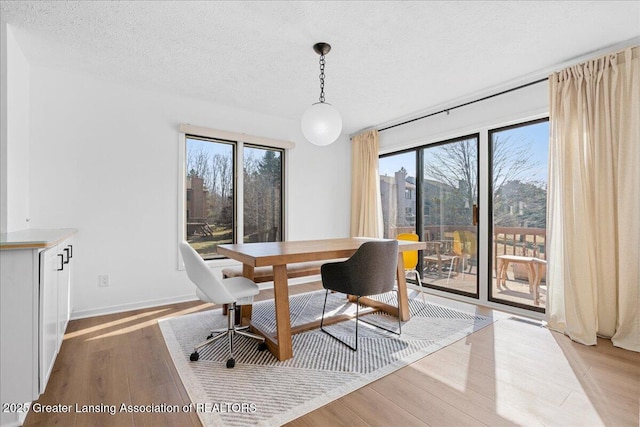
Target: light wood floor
{"points": [[510, 373]]}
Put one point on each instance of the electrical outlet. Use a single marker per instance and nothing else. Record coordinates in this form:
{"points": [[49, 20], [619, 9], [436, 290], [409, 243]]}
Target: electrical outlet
{"points": [[103, 280]]}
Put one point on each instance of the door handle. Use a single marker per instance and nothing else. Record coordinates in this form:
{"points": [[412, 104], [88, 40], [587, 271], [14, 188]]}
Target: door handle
{"points": [[475, 214]]}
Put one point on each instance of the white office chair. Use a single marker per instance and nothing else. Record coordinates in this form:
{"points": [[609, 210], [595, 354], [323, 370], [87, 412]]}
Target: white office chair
{"points": [[232, 291]]}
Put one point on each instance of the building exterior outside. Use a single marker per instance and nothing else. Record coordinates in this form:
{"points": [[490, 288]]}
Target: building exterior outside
{"points": [[196, 206]]}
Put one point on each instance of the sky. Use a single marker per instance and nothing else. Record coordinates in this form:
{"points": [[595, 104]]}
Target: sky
{"points": [[537, 134], [213, 148]]}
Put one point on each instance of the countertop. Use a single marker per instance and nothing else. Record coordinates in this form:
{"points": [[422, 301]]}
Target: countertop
{"points": [[37, 238]]}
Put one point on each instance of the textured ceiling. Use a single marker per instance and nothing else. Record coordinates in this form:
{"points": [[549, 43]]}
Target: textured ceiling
{"points": [[389, 59]]}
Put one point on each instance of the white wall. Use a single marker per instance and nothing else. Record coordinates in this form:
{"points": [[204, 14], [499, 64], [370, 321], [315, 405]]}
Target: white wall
{"points": [[319, 195], [502, 110], [103, 159], [3, 127], [14, 135]]}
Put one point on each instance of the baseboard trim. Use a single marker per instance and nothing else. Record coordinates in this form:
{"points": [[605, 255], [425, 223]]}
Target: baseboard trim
{"points": [[82, 314], [101, 311]]}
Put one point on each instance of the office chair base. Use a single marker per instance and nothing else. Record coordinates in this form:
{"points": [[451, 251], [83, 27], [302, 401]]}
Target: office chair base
{"points": [[230, 332], [220, 331], [231, 362]]}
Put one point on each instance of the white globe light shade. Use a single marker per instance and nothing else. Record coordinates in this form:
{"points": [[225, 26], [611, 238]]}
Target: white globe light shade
{"points": [[321, 124]]}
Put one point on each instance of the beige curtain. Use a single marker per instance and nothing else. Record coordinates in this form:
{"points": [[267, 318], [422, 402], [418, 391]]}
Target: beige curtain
{"points": [[366, 208], [593, 200]]}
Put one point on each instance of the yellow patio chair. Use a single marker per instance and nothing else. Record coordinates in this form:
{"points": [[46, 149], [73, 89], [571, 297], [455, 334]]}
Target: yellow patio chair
{"points": [[411, 259]]}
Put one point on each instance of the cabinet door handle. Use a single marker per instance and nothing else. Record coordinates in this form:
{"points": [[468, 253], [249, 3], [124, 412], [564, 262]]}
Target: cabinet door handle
{"points": [[61, 262], [68, 252], [70, 247]]}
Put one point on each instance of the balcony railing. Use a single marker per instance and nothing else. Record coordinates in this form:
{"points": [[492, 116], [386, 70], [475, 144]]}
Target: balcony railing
{"points": [[523, 241], [459, 243]]}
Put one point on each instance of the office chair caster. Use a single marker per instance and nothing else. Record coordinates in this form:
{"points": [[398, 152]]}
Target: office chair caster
{"points": [[231, 363], [210, 336], [194, 356], [262, 346]]}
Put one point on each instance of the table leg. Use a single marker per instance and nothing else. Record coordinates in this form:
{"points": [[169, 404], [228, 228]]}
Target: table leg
{"points": [[246, 310], [532, 276], [502, 272], [284, 348], [536, 282], [403, 298]]}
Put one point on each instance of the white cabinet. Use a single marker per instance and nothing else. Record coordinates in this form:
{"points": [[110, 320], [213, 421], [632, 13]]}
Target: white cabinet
{"points": [[48, 314], [35, 289], [19, 296], [64, 288], [54, 305]]}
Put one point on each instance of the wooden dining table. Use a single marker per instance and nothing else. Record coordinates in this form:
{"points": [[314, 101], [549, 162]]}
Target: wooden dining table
{"points": [[279, 254]]}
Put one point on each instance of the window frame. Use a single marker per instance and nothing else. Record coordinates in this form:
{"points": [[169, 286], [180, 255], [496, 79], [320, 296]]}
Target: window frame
{"points": [[490, 215], [420, 149], [239, 140], [235, 150], [485, 207], [282, 191]]}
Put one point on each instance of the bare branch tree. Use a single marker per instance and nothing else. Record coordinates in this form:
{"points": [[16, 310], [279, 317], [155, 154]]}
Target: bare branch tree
{"points": [[455, 164], [198, 165], [511, 161], [224, 175]]}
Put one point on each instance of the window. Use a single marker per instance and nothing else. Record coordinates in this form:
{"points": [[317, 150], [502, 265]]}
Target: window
{"points": [[262, 195], [213, 196], [397, 173]]}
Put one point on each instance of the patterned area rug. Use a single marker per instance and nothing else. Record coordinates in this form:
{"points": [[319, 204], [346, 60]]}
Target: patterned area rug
{"points": [[260, 390]]}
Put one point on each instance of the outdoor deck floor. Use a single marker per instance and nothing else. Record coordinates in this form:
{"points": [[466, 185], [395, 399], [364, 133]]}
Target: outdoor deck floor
{"points": [[514, 290]]}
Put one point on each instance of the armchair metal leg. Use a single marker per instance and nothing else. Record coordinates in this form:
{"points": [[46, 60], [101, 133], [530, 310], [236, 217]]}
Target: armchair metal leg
{"points": [[329, 333], [399, 332], [355, 348], [419, 283], [450, 270]]}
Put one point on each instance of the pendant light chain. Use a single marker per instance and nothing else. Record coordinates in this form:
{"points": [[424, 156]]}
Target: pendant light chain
{"points": [[321, 123], [321, 78]]}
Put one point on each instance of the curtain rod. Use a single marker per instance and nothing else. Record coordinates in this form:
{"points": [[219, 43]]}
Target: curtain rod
{"points": [[446, 110]]}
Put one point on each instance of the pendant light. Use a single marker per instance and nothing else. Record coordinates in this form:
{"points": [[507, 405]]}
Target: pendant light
{"points": [[321, 123]]}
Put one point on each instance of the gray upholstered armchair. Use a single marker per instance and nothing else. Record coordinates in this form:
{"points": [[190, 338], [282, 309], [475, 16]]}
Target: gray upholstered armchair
{"points": [[371, 270]]}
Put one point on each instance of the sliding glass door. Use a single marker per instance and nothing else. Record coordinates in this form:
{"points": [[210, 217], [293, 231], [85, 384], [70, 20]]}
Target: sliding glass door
{"points": [[518, 177], [449, 203], [433, 191]]}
